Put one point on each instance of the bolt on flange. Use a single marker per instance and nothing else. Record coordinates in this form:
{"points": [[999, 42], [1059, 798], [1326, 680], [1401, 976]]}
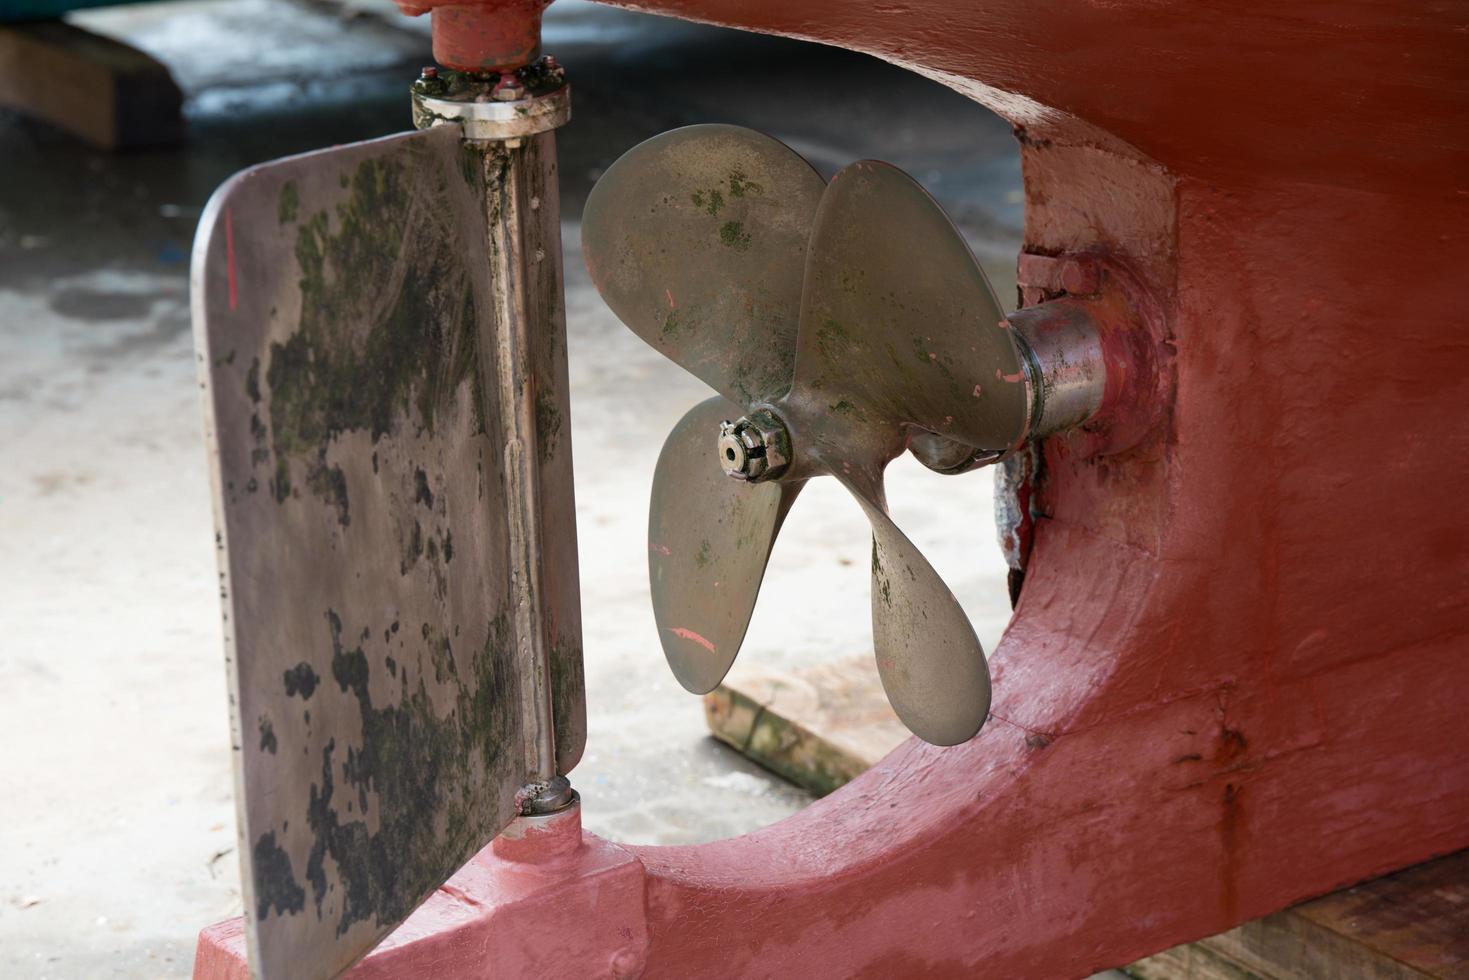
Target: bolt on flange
{"points": [[755, 447]]}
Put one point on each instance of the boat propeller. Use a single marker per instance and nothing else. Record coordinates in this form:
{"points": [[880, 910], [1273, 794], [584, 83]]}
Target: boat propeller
{"points": [[841, 323]]}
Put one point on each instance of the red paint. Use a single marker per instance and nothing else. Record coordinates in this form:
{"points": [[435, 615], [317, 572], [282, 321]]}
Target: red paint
{"points": [[688, 634], [572, 908], [1234, 679], [487, 35], [541, 839], [1079, 277], [229, 257]]}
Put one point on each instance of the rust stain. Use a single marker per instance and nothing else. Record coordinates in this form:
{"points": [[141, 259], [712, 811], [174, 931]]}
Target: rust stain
{"points": [[1229, 746], [1229, 834]]}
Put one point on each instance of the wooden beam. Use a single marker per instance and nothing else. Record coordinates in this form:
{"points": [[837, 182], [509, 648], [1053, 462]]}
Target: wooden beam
{"points": [[819, 728], [1404, 926], [101, 90]]}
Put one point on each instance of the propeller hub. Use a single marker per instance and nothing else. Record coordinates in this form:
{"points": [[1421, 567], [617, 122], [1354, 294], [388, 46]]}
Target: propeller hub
{"points": [[754, 447]]}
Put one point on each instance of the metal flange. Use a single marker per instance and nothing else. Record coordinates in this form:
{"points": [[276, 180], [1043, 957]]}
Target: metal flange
{"points": [[494, 106]]}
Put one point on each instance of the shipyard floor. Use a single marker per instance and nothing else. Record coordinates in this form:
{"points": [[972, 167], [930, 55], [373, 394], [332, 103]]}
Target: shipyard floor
{"points": [[117, 839]]}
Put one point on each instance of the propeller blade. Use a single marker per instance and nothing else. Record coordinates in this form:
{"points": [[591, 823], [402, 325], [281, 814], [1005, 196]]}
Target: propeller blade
{"points": [[931, 663], [697, 241], [899, 326], [709, 538]]}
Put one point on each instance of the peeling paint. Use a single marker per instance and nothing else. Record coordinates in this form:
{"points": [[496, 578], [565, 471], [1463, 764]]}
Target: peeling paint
{"points": [[415, 353], [276, 888], [409, 752], [268, 742], [302, 680], [421, 492]]}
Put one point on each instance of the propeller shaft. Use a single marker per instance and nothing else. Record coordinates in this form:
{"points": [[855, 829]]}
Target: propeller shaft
{"points": [[1064, 364]]}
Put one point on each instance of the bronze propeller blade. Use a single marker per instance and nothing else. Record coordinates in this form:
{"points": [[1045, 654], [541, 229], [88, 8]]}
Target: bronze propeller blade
{"points": [[900, 333], [863, 322], [899, 326], [697, 240], [709, 538], [931, 664]]}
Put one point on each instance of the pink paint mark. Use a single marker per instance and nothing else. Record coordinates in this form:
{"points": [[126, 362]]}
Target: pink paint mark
{"points": [[932, 356], [978, 391], [229, 257], [1004, 324], [661, 549], [671, 304], [1012, 378], [685, 634]]}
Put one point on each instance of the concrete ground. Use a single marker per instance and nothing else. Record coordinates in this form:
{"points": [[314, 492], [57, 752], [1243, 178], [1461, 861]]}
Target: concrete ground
{"points": [[117, 823]]}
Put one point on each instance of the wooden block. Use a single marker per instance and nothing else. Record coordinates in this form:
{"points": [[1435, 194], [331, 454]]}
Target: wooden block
{"points": [[823, 726], [820, 728], [101, 90], [1194, 960], [1410, 924]]}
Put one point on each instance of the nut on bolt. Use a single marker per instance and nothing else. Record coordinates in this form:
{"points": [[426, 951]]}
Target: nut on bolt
{"points": [[429, 82], [508, 89], [755, 447]]}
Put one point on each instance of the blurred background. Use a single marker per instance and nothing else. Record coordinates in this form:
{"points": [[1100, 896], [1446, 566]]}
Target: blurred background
{"points": [[117, 837]]}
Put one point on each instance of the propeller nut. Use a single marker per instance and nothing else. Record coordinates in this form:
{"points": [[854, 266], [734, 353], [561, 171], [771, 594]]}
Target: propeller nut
{"points": [[755, 447]]}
